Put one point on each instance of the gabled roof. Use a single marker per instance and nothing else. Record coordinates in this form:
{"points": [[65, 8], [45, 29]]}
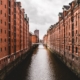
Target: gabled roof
{"points": [[60, 14], [66, 7]]}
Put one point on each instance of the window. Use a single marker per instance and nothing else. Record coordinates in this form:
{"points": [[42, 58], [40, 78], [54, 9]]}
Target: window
{"points": [[69, 48], [5, 6], [0, 39], [0, 49], [5, 31], [76, 31], [0, 11], [5, 14], [0, 30], [72, 33], [72, 26], [76, 50], [5, 40], [9, 3], [76, 39], [0, 2], [9, 25], [76, 23], [72, 41], [5, 48], [69, 39], [69, 33], [9, 34], [69, 26], [5, 23], [76, 15], [9, 18], [0, 21], [9, 11]]}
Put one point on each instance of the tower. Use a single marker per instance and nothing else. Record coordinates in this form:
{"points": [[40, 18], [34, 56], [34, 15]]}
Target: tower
{"points": [[36, 32]]}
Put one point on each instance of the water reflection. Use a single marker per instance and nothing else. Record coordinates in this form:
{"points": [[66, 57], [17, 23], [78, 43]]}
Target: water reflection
{"points": [[42, 65]]}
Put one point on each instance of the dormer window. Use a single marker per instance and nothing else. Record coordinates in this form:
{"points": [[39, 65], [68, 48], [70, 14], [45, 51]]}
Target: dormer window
{"points": [[77, 1], [66, 7], [60, 14]]}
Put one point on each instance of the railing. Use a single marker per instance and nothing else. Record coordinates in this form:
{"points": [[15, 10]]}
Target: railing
{"points": [[5, 61], [8, 59]]}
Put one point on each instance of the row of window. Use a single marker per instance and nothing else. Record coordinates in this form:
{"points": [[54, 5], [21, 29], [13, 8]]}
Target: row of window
{"points": [[74, 41], [73, 33], [76, 16], [1, 49], [1, 13], [1, 31], [1, 22], [9, 33], [10, 40], [76, 49], [1, 40], [1, 3]]}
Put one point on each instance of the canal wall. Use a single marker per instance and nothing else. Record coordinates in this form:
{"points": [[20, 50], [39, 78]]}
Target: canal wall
{"points": [[12, 65], [72, 64]]}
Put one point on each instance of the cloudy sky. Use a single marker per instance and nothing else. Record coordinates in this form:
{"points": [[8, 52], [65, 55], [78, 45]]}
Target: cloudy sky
{"points": [[43, 13]]}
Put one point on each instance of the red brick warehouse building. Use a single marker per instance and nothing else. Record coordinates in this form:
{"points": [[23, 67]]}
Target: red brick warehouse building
{"points": [[36, 32], [64, 36], [45, 40], [14, 31], [35, 39]]}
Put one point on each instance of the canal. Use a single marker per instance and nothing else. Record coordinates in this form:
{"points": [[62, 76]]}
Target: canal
{"points": [[41, 65]]}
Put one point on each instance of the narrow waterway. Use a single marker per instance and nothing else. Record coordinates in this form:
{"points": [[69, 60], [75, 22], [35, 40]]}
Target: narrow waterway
{"points": [[41, 65]]}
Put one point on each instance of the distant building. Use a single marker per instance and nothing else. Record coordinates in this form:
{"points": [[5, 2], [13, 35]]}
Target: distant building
{"points": [[36, 32], [40, 41], [45, 40], [34, 39]]}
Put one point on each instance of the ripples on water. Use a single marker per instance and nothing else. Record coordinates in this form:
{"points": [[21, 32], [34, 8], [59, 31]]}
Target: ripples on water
{"points": [[42, 65]]}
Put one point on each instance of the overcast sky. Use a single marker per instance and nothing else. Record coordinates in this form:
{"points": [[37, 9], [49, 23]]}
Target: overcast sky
{"points": [[43, 13]]}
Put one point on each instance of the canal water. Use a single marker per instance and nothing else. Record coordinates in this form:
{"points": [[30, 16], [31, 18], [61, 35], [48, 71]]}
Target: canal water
{"points": [[41, 65]]}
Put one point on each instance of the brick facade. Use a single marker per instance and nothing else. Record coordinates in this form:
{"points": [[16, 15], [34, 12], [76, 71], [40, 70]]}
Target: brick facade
{"points": [[34, 39], [14, 31], [64, 36]]}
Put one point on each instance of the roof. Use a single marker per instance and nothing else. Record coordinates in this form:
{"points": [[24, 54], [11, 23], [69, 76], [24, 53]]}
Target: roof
{"points": [[60, 14], [66, 7]]}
